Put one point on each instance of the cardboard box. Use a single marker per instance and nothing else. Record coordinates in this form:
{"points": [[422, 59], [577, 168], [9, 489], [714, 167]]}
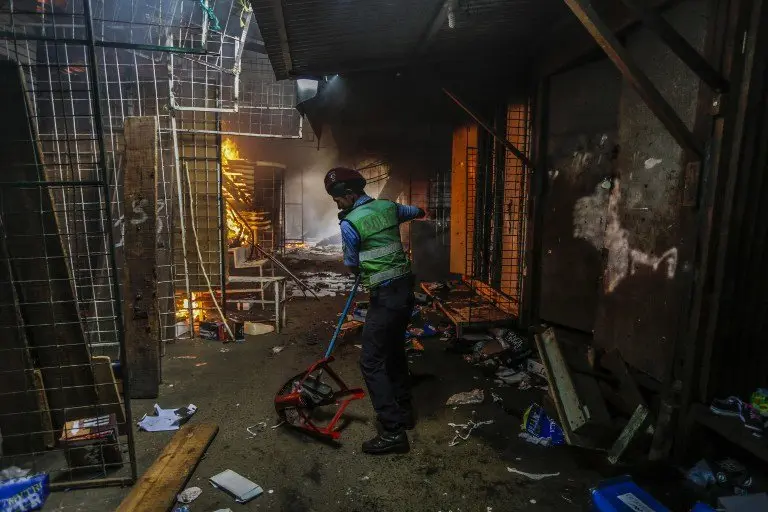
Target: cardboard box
{"points": [[92, 443], [212, 331]]}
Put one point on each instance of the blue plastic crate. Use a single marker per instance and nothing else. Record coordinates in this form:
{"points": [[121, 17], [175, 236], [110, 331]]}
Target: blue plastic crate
{"points": [[623, 495]]}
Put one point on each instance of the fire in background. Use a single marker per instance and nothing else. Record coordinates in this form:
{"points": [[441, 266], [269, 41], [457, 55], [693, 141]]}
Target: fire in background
{"points": [[238, 231]]}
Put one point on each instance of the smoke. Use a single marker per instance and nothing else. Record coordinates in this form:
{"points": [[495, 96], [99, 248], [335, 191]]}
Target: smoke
{"points": [[319, 210]]}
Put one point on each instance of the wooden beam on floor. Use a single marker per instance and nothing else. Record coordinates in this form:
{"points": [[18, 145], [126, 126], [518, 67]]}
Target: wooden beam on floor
{"points": [[588, 17], [157, 488], [636, 424], [654, 21], [142, 332]]}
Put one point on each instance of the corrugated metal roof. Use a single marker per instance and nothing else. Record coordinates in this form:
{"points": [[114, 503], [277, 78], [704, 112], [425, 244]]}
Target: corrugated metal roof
{"points": [[336, 36]]}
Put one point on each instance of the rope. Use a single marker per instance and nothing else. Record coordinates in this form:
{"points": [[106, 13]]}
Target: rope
{"points": [[211, 15]]}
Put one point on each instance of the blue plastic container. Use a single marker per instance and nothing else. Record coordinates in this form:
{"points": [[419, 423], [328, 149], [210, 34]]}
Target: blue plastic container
{"points": [[623, 495]]}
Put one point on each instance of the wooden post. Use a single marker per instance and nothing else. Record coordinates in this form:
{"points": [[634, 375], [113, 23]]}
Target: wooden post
{"points": [[142, 334]]}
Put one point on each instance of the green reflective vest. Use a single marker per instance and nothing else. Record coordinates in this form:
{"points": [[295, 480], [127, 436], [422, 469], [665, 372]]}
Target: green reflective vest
{"points": [[381, 252]]}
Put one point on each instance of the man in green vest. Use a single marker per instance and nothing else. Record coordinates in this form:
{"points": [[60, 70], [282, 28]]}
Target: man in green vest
{"points": [[370, 232]]}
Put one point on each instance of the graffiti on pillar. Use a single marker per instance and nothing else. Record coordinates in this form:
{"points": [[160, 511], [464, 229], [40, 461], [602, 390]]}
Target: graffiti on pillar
{"points": [[596, 220]]}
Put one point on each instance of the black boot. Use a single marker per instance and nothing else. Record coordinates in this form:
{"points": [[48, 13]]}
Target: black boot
{"points": [[387, 442]]}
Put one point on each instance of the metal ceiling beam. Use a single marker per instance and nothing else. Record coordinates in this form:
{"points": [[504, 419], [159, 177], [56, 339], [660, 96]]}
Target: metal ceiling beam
{"points": [[655, 22], [282, 32], [434, 27], [586, 14], [511, 147]]}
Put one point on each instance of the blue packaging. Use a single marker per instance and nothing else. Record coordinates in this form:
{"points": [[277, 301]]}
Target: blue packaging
{"points": [[24, 494], [538, 424], [623, 495], [702, 507]]}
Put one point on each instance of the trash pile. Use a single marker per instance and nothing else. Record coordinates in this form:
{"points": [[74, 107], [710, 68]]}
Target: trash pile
{"points": [[324, 284]]}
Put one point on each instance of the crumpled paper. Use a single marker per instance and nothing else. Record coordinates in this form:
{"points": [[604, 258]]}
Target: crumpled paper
{"points": [[189, 494], [476, 396]]}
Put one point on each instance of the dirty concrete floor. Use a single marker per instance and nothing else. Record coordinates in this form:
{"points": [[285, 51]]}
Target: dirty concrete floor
{"points": [[235, 389]]}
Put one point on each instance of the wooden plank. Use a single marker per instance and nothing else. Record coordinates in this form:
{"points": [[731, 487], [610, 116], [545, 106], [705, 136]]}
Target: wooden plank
{"points": [[561, 384], [635, 76], [142, 336], [44, 409], [157, 488], [458, 262], [654, 21], [635, 425], [39, 261], [109, 395]]}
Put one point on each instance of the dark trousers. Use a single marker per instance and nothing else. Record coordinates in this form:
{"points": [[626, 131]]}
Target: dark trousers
{"points": [[383, 361]]}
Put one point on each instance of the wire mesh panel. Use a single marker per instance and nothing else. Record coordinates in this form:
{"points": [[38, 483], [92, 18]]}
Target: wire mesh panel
{"points": [[497, 185], [439, 204], [61, 411], [515, 205]]}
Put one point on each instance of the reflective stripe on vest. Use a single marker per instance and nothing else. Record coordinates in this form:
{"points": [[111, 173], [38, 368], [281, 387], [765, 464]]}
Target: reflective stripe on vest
{"points": [[378, 252], [386, 275]]}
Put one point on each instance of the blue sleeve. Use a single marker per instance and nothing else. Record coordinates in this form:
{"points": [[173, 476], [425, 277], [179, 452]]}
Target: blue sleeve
{"points": [[350, 242], [406, 212]]}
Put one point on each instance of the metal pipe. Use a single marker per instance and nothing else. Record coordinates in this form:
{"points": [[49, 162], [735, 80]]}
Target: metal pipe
{"points": [[280, 264], [343, 317], [95, 99]]}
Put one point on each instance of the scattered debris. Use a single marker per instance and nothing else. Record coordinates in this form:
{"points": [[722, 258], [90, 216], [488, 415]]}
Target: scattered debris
{"points": [[414, 345], [466, 430], [510, 376], [185, 357], [256, 329], [476, 396], [276, 426], [242, 489], [359, 346], [278, 349], [182, 508], [201, 364], [166, 419], [13, 472], [365, 478], [532, 476], [255, 429], [543, 441], [701, 474], [532, 501], [223, 510], [223, 350], [189, 495], [271, 491]]}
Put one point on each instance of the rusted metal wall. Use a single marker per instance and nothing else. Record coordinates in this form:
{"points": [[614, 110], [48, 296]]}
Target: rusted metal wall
{"points": [[643, 284], [581, 145], [614, 247]]}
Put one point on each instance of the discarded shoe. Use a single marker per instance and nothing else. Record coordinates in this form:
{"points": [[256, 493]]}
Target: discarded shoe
{"points": [[730, 406], [736, 408], [387, 442]]}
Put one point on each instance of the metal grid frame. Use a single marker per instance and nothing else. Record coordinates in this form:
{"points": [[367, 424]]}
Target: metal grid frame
{"points": [[498, 185], [439, 204], [61, 193], [87, 66]]}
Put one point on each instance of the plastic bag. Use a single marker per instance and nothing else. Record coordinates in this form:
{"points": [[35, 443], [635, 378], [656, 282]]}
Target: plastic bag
{"points": [[538, 424]]}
